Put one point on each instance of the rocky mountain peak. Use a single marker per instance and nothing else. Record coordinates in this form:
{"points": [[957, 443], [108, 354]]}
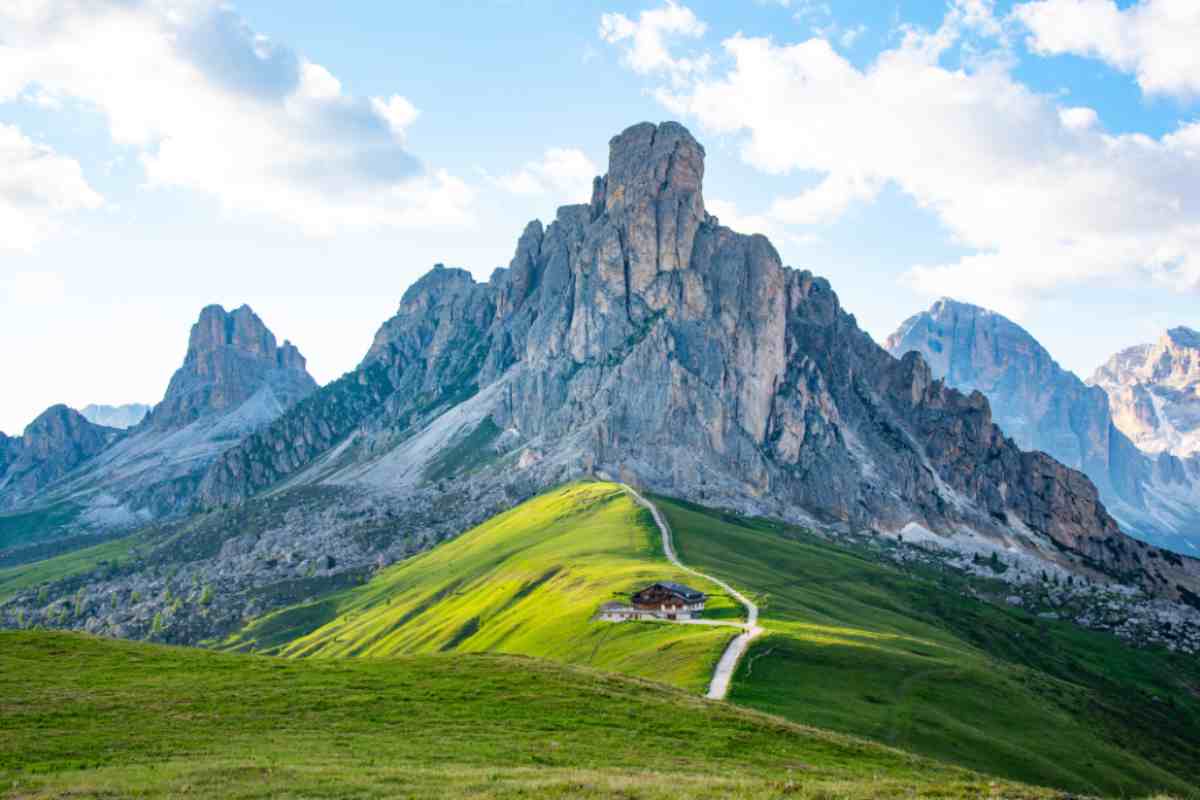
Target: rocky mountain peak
{"points": [[122, 417], [636, 336], [653, 192], [240, 329], [57, 441], [1183, 337], [231, 356], [1155, 392], [1047, 408]]}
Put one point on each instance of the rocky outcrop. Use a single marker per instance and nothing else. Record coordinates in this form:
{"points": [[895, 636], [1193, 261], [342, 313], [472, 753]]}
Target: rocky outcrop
{"points": [[122, 417], [231, 357], [234, 380], [635, 336], [1154, 391], [1044, 407], [53, 445]]}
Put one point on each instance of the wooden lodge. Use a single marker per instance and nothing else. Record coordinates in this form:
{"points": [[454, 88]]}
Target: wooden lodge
{"points": [[666, 600]]}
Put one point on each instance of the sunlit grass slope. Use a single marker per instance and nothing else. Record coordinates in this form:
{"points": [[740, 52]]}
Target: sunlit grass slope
{"points": [[855, 645], [85, 717], [528, 582]]}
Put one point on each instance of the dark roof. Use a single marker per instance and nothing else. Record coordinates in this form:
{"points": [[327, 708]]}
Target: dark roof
{"points": [[687, 592]]}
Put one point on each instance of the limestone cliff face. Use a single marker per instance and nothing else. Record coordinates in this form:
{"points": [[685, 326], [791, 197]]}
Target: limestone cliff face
{"points": [[234, 380], [55, 443], [635, 336], [1044, 407], [231, 357], [1154, 390]]}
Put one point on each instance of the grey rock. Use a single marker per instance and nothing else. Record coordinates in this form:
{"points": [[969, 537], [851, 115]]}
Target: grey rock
{"points": [[54, 444], [1154, 390], [636, 337], [234, 380], [1045, 407]]}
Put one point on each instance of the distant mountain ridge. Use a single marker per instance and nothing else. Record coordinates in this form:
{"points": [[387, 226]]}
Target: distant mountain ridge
{"points": [[121, 417], [234, 380], [1045, 407], [54, 444], [1154, 390]]}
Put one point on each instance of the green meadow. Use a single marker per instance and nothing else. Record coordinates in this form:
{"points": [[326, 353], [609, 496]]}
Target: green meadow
{"points": [[853, 644], [476, 669], [25, 576], [85, 717], [526, 582]]}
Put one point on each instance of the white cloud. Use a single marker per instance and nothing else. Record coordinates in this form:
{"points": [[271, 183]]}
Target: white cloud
{"points": [[1043, 195], [35, 288], [1156, 40], [210, 105], [37, 186], [565, 173], [826, 201], [645, 43]]}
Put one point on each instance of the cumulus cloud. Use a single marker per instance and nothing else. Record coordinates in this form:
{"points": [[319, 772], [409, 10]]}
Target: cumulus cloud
{"points": [[564, 173], [645, 43], [1041, 194], [37, 186], [1158, 41], [211, 105]]}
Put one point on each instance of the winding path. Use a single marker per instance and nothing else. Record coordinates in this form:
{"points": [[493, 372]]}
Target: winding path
{"points": [[718, 688]]}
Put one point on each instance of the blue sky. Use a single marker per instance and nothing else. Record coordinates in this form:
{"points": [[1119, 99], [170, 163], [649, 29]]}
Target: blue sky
{"points": [[312, 159]]}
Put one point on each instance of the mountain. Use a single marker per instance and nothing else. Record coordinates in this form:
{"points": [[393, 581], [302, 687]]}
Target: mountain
{"points": [[1045, 407], [234, 380], [636, 336], [124, 416], [1154, 391], [59, 440]]}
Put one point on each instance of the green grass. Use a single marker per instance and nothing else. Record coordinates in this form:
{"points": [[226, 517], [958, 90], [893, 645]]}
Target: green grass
{"points": [[87, 717], [26, 576], [856, 645], [27, 527], [526, 582]]}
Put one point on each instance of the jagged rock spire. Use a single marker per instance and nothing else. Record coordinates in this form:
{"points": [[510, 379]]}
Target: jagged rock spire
{"points": [[231, 355]]}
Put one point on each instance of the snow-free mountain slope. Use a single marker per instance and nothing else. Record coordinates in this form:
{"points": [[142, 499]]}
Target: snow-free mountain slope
{"points": [[1155, 497], [637, 336], [234, 379], [1154, 390]]}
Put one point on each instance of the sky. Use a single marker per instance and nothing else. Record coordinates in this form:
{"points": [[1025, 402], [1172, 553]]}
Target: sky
{"points": [[312, 159]]}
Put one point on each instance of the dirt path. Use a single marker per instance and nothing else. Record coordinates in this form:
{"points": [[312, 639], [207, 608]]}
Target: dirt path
{"points": [[718, 688]]}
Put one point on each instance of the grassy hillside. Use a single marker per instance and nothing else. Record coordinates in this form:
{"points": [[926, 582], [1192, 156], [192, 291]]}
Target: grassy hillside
{"points": [[23, 576], [526, 582], [85, 717], [855, 645], [28, 527]]}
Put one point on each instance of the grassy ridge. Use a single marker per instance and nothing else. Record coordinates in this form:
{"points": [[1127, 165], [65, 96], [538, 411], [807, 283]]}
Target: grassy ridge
{"points": [[526, 582], [855, 645], [86, 717]]}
